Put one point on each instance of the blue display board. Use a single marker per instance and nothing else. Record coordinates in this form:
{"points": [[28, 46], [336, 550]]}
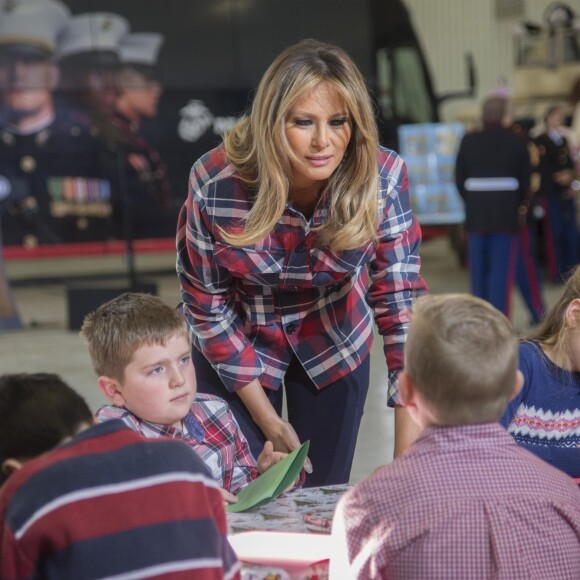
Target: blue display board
{"points": [[429, 150]]}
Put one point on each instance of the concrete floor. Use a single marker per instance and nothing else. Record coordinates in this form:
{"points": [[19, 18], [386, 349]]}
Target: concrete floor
{"points": [[46, 345]]}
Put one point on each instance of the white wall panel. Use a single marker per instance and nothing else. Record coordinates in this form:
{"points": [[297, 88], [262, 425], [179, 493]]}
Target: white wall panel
{"points": [[450, 28]]}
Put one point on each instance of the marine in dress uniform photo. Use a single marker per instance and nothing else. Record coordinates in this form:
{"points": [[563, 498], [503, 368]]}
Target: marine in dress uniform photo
{"points": [[153, 212], [62, 191], [88, 58]]}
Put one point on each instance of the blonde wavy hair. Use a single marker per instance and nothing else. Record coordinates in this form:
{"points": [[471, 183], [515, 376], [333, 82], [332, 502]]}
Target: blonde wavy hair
{"points": [[258, 149]]}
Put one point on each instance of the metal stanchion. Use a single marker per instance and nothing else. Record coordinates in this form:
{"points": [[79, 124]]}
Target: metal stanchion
{"points": [[83, 298], [9, 318]]}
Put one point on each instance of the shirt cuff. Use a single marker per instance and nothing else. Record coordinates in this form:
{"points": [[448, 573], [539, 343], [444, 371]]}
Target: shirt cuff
{"points": [[393, 391]]}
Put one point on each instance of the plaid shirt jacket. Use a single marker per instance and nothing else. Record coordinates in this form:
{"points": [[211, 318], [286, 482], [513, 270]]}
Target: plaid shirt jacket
{"points": [[251, 308]]}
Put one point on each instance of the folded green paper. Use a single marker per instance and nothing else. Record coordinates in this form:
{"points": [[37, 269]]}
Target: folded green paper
{"points": [[273, 482]]}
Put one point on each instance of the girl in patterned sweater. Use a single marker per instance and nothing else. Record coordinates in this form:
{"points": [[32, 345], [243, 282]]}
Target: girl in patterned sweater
{"points": [[545, 417]]}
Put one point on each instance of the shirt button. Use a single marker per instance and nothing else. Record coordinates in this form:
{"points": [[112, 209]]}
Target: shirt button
{"points": [[291, 328]]}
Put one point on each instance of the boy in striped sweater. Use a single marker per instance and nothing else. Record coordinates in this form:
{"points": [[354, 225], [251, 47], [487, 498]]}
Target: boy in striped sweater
{"points": [[85, 500]]}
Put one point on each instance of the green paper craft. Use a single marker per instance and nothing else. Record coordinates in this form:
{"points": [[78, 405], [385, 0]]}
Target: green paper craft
{"points": [[273, 482]]}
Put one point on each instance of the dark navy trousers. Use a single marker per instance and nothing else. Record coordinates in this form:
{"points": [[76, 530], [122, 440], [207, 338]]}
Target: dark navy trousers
{"points": [[527, 278], [330, 418], [561, 236], [492, 267]]}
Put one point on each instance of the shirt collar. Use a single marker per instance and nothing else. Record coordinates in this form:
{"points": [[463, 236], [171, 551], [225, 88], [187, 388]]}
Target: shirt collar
{"points": [[465, 435], [191, 425]]}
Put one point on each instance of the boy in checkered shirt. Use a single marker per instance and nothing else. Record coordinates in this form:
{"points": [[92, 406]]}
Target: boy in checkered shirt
{"points": [[141, 352], [464, 501]]}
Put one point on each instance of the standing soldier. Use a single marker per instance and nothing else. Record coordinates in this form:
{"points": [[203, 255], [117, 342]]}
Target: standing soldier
{"points": [[64, 194], [527, 277], [492, 174], [146, 175], [560, 230]]}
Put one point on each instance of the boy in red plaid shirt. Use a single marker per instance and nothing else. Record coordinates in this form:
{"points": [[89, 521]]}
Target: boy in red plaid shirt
{"points": [[141, 352]]}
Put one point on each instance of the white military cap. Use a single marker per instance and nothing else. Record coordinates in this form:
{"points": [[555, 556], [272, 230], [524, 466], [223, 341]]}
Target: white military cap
{"points": [[140, 48], [92, 32], [32, 23]]}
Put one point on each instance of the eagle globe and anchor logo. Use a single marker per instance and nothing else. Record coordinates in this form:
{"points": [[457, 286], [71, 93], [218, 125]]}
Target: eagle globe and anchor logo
{"points": [[197, 118]]}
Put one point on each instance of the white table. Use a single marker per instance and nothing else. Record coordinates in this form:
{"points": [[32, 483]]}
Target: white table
{"points": [[308, 510]]}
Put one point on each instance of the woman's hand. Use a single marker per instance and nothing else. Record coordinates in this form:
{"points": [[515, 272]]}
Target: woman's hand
{"points": [[269, 457], [284, 439], [279, 432]]}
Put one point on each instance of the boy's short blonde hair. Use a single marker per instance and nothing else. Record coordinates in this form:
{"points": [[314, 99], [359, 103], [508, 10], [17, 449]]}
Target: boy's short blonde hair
{"points": [[116, 329], [462, 356]]}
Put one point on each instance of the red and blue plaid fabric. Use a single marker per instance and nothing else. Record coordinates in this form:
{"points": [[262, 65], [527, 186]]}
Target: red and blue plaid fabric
{"points": [[223, 447], [251, 308]]}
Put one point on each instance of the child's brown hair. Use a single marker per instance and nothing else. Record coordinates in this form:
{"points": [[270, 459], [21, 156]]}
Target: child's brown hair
{"points": [[462, 356], [116, 329]]}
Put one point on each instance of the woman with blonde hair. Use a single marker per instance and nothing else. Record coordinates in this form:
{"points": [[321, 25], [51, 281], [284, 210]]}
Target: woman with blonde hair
{"points": [[545, 416], [294, 231]]}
